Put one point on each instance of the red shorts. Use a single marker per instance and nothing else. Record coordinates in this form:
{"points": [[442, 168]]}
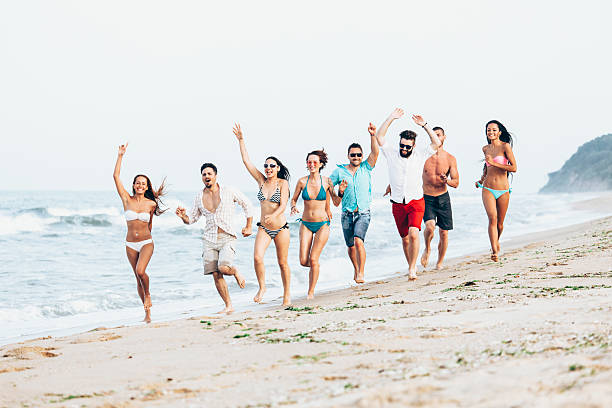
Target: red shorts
{"points": [[408, 215]]}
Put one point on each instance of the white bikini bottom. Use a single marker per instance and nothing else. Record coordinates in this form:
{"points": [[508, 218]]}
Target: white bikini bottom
{"points": [[137, 246]]}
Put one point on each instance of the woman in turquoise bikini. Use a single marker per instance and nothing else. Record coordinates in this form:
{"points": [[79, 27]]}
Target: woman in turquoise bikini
{"points": [[499, 161], [314, 231]]}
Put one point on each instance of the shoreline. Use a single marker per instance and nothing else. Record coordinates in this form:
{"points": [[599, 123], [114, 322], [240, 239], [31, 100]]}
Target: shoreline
{"points": [[543, 311]]}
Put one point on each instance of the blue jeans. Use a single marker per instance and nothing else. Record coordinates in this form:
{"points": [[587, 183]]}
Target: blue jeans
{"points": [[355, 224]]}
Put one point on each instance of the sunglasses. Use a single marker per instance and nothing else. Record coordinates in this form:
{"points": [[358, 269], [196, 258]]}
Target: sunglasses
{"points": [[355, 155], [269, 165], [406, 146]]}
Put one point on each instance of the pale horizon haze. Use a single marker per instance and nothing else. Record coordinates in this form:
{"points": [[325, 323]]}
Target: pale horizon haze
{"points": [[171, 78]]}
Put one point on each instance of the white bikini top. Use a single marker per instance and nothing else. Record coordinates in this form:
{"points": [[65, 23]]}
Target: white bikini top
{"points": [[133, 215]]}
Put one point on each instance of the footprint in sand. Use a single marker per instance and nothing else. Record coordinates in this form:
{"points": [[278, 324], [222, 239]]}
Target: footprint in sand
{"points": [[29, 352]]}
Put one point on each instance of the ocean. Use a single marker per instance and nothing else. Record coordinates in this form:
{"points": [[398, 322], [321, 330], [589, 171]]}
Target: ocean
{"points": [[63, 267]]}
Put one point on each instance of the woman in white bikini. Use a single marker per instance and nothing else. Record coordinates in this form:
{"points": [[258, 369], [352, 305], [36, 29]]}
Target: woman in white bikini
{"points": [[273, 197], [139, 210], [499, 162]]}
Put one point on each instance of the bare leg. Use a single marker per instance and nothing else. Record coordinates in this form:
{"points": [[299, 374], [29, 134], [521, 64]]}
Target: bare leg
{"points": [[133, 259], [305, 244], [320, 239], [262, 241], [442, 245], [413, 252], [361, 258], [502, 207], [143, 261], [491, 208], [282, 251], [233, 271], [223, 292], [352, 253], [428, 234]]}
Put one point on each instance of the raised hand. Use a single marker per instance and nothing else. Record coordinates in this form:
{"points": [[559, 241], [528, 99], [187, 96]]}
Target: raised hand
{"points": [[342, 187], [238, 131], [396, 114], [372, 129], [418, 119], [122, 149]]}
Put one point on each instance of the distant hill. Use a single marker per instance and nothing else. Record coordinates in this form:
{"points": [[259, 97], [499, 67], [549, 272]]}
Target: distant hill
{"points": [[589, 169]]}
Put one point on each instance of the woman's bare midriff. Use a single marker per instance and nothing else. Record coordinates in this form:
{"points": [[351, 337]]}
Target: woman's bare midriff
{"points": [[496, 179], [137, 231], [314, 211], [268, 208]]}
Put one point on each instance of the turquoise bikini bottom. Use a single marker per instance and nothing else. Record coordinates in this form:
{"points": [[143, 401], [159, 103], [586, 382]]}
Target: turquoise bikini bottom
{"points": [[496, 193], [313, 226]]}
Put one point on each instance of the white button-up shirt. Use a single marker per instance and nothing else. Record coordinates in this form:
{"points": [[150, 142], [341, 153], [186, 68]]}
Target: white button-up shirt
{"points": [[223, 216], [406, 174]]}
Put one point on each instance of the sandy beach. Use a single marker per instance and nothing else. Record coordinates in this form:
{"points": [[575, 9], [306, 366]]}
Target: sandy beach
{"points": [[532, 330]]}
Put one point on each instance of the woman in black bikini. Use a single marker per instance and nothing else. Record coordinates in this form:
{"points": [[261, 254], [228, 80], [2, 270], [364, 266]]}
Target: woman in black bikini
{"points": [[273, 196]]}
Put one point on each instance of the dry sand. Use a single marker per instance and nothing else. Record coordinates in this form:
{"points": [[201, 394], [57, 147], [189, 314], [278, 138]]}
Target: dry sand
{"points": [[532, 330]]}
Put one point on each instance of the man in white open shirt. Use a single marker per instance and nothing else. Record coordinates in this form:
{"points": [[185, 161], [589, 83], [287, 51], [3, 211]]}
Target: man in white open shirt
{"points": [[216, 205], [405, 163]]}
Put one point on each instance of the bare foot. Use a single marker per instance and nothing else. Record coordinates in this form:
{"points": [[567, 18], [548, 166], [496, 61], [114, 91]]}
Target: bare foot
{"points": [[494, 257], [439, 267], [310, 295], [286, 301], [147, 318], [412, 275], [359, 278], [239, 279], [147, 302], [425, 257], [259, 296], [227, 310]]}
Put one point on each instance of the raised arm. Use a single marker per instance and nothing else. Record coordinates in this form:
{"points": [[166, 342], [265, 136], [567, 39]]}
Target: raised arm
{"points": [[256, 174], [337, 198], [123, 194], [382, 131], [374, 150], [435, 140], [296, 195]]}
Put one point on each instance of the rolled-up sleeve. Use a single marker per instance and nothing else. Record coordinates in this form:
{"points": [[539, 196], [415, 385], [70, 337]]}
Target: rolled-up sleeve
{"points": [[195, 213], [244, 202]]}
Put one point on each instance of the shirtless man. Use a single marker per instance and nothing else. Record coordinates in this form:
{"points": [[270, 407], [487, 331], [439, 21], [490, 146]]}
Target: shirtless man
{"points": [[216, 204], [439, 171]]}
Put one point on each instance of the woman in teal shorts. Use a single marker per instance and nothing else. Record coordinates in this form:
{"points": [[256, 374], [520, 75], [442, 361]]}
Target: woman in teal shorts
{"points": [[314, 231], [499, 161]]}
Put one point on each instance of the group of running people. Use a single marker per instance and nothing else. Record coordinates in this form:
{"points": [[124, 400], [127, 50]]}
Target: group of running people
{"points": [[419, 174]]}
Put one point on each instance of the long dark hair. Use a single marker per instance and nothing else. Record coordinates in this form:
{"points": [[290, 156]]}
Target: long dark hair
{"points": [[152, 194], [505, 136], [322, 157], [283, 171]]}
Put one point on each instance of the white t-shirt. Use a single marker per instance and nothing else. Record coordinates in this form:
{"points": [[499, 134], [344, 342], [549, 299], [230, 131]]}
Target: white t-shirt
{"points": [[406, 174]]}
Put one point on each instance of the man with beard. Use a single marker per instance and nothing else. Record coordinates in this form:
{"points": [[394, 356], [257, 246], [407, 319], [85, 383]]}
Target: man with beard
{"points": [[405, 177], [216, 204]]}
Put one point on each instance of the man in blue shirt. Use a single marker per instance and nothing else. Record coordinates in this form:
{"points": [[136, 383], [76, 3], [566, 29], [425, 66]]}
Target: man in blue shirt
{"points": [[355, 193]]}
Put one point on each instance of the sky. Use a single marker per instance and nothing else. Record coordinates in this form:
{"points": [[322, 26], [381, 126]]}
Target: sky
{"points": [[78, 78]]}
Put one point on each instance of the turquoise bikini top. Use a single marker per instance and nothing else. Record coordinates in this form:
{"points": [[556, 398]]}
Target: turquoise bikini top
{"points": [[320, 197]]}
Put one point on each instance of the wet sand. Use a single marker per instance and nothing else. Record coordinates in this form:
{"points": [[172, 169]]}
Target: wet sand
{"points": [[532, 330]]}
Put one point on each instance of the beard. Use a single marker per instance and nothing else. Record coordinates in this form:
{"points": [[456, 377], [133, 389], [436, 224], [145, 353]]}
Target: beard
{"points": [[405, 155]]}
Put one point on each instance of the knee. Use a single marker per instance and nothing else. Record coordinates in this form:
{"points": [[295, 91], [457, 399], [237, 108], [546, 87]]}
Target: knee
{"points": [[358, 243], [283, 265], [429, 229], [224, 269], [314, 261], [141, 271], [258, 259], [500, 226], [443, 234], [217, 276], [413, 234], [493, 219]]}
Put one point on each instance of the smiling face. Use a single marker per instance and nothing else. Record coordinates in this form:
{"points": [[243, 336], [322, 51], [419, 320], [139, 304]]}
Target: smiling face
{"points": [[140, 185], [209, 177], [271, 168], [355, 156], [313, 163], [493, 131], [406, 146]]}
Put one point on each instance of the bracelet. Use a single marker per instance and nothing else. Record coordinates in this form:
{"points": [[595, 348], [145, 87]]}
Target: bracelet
{"points": [[424, 125], [340, 194]]}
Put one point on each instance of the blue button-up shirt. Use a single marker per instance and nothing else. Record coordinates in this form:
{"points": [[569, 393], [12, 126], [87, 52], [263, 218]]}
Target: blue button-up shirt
{"points": [[358, 193]]}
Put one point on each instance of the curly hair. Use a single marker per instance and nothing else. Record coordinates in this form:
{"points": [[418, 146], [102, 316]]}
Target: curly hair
{"points": [[322, 156]]}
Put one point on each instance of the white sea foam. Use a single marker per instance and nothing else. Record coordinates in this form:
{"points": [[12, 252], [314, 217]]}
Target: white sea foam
{"points": [[15, 224]]}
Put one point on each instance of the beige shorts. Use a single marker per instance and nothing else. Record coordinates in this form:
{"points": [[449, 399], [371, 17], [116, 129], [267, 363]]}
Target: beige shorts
{"points": [[221, 253]]}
